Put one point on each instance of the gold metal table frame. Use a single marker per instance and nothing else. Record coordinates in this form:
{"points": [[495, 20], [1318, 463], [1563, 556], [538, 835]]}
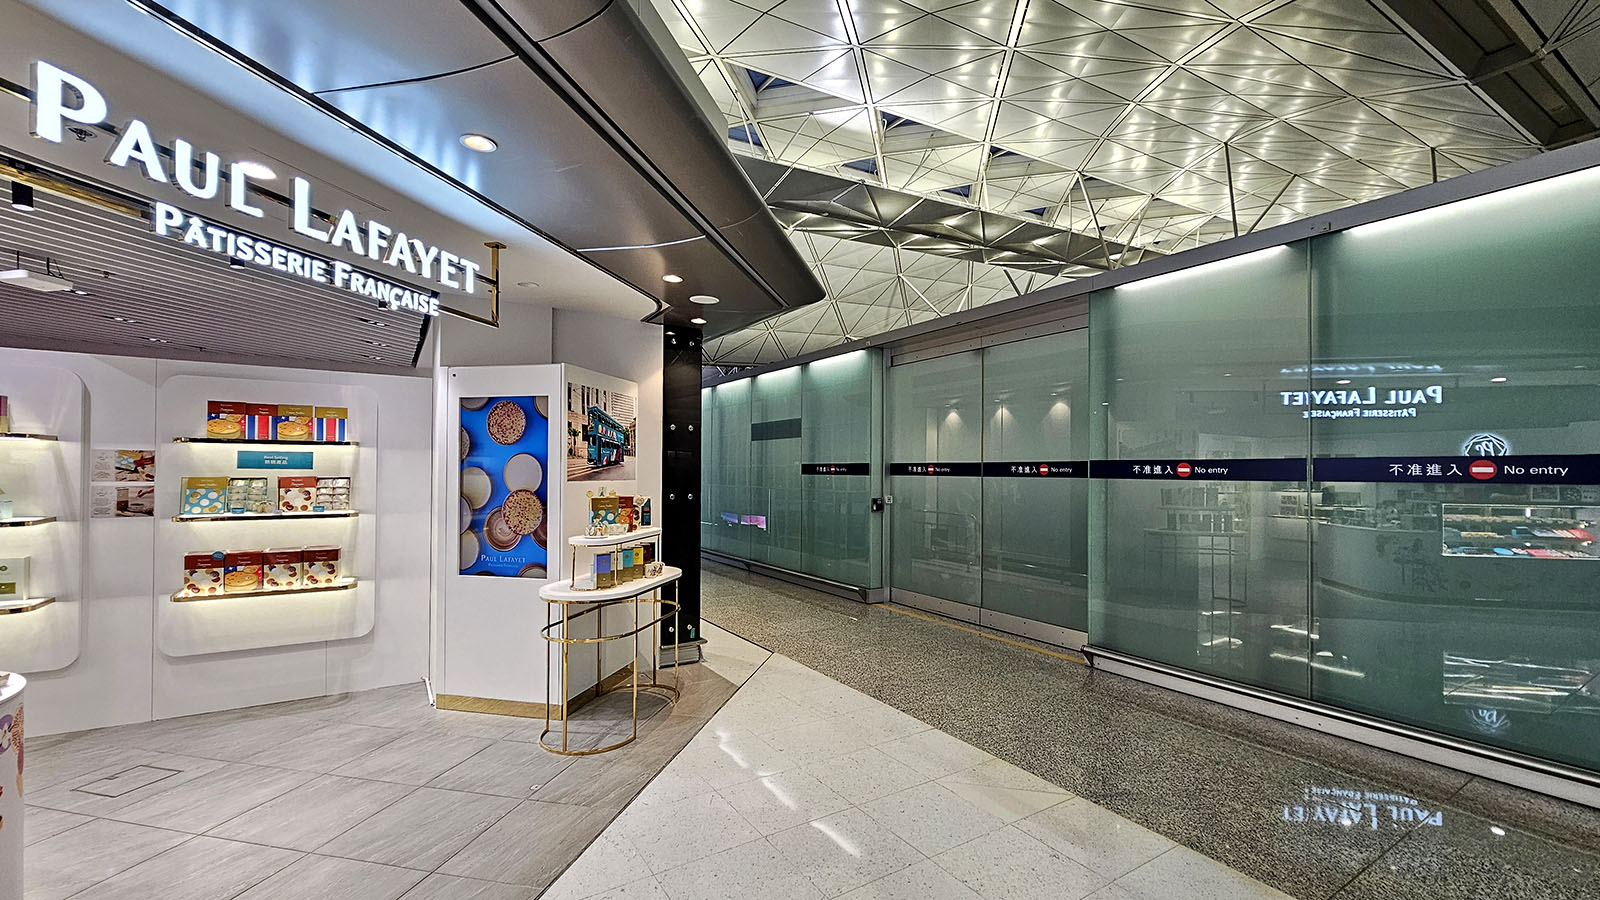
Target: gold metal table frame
{"points": [[598, 607]]}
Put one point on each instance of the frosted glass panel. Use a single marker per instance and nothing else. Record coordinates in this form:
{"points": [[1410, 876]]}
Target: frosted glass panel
{"points": [[1207, 574]]}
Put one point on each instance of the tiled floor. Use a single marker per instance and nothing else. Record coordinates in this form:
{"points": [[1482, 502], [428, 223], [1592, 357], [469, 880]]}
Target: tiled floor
{"points": [[370, 796], [1314, 816], [804, 788]]}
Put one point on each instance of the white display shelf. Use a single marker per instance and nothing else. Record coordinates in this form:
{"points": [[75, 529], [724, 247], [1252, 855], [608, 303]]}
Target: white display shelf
{"points": [[23, 436], [25, 521], [343, 584], [613, 540], [570, 592], [24, 604], [260, 517], [252, 442]]}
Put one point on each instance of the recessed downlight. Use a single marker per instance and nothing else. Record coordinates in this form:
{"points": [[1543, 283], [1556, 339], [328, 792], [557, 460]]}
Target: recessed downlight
{"points": [[21, 196], [481, 143], [697, 321], [672, 279], [258, 171], [1498, 379], [1343, 381], [527, 284], [375, 322], [704, 299]]}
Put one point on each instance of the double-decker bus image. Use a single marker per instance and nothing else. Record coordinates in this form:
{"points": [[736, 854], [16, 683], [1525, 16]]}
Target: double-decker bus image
{"points": [[605, 437]]}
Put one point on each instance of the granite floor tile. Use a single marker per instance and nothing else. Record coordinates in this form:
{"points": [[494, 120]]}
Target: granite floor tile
{"points": [[417, 758], [1009, 865], [530, 845], [844, 851], [1006, 804], [201, 868], [607, 864], [647, 888], [60, 866], [777, 802], [865, 775], [1105, 842], [451, 887], [1181, 872], [931, 818], [935, 753], [203, 803], [330, 878], [751, 869], [313, 813], [657, 831], [919, 881], [421, 830], [505, 768], [40, 823]]}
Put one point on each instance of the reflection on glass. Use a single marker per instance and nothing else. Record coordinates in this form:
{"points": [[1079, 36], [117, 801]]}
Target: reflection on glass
{"points": [[1356, 808]]}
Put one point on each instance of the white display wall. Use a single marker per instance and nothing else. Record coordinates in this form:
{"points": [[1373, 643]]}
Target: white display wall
{"points": [[143, 656]]}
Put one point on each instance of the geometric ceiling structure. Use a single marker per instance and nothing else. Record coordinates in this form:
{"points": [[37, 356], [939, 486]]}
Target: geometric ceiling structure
{"points": [[1160, 125]]}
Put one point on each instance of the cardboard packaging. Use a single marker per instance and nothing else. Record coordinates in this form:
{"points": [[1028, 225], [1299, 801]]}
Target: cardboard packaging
{"points": [[13, 578], [328, 423], [321, 566], [202, 573], [292, 423], [206, 496], [602, 514], [625, 513], [258, 421], [333, 494], [604, 577], [281, 570], [635, 563], [225, 419], [8, 509], [297, 493], [248, 495], [641, 507], [5, 414], [241, 571]]}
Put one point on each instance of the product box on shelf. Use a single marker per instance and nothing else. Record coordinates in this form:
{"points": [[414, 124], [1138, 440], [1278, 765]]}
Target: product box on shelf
{"points": [[602, 514], [321, 566], [13, 577], [635, 563], [333, 493], [203, 573], [292, 423], [5, 414], [248, 495], [225, 419], [297, 493], [7, 509], [205, 496], [282, 570], [603, 575], [641, 514], [241, 571], [328, 423], [625, 513], [258, 418]]}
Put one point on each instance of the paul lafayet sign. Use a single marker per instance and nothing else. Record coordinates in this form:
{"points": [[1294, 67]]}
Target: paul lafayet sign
{"points": [[54, 105], [1363, 403]]}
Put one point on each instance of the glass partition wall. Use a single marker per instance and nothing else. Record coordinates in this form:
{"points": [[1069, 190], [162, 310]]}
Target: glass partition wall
{"points": [[1360, 469]]}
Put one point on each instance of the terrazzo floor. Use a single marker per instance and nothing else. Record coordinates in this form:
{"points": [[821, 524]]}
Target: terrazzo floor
{"points": [[1311, 815]]}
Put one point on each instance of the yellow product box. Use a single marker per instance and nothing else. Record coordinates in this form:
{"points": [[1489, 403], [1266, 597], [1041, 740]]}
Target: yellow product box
{"points": [[292, 423]]}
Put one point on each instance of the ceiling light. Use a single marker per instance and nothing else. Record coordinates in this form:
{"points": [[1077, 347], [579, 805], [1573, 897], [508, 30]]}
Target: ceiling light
{"points": [[1498, 379], [1227, 374], [35, 281], [378, 358], [22, 196], [258, 171], [482, 143], [123, 319], [527, 284], [672, 279], [1344, 381], [234, 263], [375, 322], [704, 299], [697, 321], [158, 340]]}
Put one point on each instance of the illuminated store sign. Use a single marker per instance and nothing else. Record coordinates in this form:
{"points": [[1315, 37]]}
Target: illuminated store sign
{"points": [[1363, 403], [61, 97]]}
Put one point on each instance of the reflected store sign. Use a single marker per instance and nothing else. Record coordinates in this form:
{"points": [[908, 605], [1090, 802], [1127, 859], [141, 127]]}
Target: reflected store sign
{"points": [[1350, 808], [61, 97], [1363, 403]]}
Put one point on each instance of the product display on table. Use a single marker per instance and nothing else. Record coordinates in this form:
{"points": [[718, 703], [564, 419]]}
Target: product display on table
{"points": [[1518, 531], [212, 573]]}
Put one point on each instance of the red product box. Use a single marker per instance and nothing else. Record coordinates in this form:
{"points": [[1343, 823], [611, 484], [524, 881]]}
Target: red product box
{"points": [[241, 571], [225, 419]]}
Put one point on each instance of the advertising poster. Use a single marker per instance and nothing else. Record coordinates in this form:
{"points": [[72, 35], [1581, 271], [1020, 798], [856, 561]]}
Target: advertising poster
{"points": [[601, 434], [504, 460]]}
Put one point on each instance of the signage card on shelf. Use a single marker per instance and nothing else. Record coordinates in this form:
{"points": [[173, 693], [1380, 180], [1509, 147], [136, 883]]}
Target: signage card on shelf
{"points": [[268, 459], [1534, 469]]}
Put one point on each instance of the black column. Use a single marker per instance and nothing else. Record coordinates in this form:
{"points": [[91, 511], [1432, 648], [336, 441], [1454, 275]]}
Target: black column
{"points": [[680, 477]]}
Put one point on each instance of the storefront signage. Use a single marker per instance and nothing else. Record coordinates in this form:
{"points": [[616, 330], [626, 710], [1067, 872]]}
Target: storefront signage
{"points": [[854, 468], [1363, 403], [1290, 469], [1553, 469], [259, 459], [1486, 444], [935, 469], [1060, 469], [61, 97]]}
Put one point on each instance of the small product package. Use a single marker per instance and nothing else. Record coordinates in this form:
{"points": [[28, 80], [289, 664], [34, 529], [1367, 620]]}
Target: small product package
{"points": [[207, 496], [5, 414], [635, 563], [320, 567], [202, 573], [328, 423], [333, 494], [641, 514], [297, 493], [652, 566], [625, 513], [281, 569], [292, 423], [602, 514], [241, 571], [13, 578], [258, 421], [603, 574], [248, 495], [8, 509], [225, 419]]}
